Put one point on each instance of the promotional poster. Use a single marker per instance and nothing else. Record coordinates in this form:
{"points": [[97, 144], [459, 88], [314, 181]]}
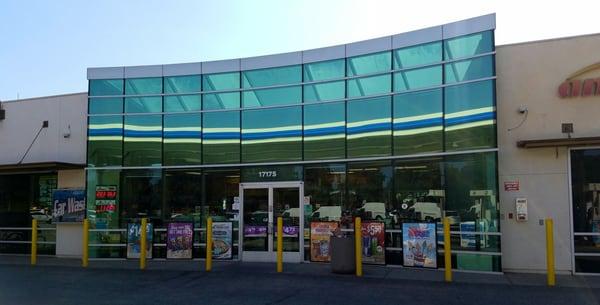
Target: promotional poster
{"points": [[320, 240], [419, 245], [373, 242], [180, 240], [222, 240], [106, 206], [69, 205], [133, 240]]}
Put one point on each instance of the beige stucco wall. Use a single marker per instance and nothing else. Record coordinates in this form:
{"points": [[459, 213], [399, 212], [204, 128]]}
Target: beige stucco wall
{"points": [[529, 75]]}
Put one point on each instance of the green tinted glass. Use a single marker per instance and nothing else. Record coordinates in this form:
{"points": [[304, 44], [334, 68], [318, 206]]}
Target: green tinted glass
{"points": [[221, 81], [418, 55], [369, 190], [371, 63], [469, 45], [324, 70], [369, 85], [273, 134], [105, 140], [418, 78], [324, 131], [106, 87], [272, 76], [141, 194], [183, 188], [272, 97], [369, 125], [465, 70], [143, 140], [470, 116], [183, 84], [221, 137], [324, 91], [229, 100], [143, 104], [103, 213], [418, 122], [147, 85], [182, 139], [105, 105], [182, 103]]}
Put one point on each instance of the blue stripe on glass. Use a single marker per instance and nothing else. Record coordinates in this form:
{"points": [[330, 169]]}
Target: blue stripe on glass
{"points": [[418, 124], [369, 128], [180, 134], [106, 132], [324, 131], [471, 118], [271, 134], [143, 133], [221, 135]]}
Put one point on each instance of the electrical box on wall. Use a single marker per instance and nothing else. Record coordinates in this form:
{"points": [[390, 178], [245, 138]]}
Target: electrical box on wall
{"points": [[521, 209]]}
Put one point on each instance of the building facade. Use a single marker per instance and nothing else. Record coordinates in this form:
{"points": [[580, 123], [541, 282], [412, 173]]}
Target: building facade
{"points": [[396, 129]]}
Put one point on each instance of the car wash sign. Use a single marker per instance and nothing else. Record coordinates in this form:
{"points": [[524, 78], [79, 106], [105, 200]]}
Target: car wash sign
{"points": [[583, 83], [69, 205]]}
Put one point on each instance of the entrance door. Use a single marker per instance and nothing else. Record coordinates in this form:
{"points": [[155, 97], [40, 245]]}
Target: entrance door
{"points": [[261, 204]]}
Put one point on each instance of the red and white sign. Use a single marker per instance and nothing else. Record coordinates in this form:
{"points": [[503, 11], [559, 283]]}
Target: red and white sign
{"points": [[575, 85], [511, 186]]}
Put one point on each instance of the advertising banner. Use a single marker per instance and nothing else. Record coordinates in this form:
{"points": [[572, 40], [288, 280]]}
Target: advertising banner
{"points": [[255, 231], [69, 205], [320, 240], [106, 206], [133, 240], [468, 240], [180, 240], [373, 242], [419, 245], [290, 231], [222, 240]]}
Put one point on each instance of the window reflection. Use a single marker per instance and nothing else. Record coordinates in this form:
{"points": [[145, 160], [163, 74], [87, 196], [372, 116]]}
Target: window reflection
{"points": [[369, 192]]}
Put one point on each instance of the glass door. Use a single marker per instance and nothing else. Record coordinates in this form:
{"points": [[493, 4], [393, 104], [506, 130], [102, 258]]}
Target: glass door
{"points": [[261, 204]]}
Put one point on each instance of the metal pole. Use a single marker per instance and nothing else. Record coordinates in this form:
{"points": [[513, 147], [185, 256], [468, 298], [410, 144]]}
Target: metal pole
{"points": [[86, 240], [358, 246], [447, 251], [550, 252], [279, 244], [209, 243], [34, 233], [143, 245]]}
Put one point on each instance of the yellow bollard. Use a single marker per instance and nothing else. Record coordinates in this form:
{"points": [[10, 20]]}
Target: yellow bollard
{"points": [[34, 233], [550, 252], [209, 243], [143, 245], [358, 246], [279, 244], [447, 251], [86, 239]]}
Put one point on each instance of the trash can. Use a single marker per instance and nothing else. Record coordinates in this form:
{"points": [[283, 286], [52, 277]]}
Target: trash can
{"points": [[342, 255]]}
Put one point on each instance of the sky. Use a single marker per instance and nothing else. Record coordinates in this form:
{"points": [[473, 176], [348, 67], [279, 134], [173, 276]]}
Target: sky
{"points": [[46, 46]]}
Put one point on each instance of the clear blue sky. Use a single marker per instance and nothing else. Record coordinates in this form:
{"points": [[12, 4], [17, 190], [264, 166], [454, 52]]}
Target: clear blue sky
{"points": [[46, 46]]}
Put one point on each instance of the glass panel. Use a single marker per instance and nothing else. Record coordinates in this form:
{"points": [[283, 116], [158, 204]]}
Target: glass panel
{"points": [[324, 91], [465, 70], [183, 84], [469, 45], [105, 141], [286, 203], [221, 186], [142, 196], [324, 70], [272, 134], [221, 137], [371, 63], [324, 131], [106, 87], [370, 85], [143, 104], [419, 191], [418, 55], [221, 81], [369, 127], [256, 219], [143, 140], [230, 100], [148, 85], [105, 105], [369, 192], [418, 78], [182, 139], [585, 179], [182, 103], [103, 206], [470, 116], [183, 195], [272, 97], [272, 76], [418, 122]]}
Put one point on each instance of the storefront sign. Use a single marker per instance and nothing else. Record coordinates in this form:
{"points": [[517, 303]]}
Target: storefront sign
{"points": [[574, 86], [320, 240], [106, 205], [222, 240], [468, 240], [69, 205], [180, 240], [290, 231], [272, 173], [511, 186], [133, 240], [373, 242], [419, 246], [255, 231]]}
